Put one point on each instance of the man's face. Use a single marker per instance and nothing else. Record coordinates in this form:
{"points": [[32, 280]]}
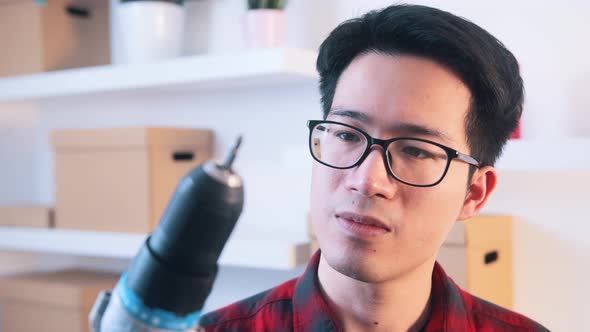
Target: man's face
{"points": [[390, 96]]}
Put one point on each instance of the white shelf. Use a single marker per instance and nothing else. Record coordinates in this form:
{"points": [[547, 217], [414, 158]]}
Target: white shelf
{"points": [[269, 67], [245, 248], [564, 154]]}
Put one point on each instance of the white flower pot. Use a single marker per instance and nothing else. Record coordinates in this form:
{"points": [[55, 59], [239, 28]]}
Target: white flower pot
{"points": [[264, 28], [147, 31]]}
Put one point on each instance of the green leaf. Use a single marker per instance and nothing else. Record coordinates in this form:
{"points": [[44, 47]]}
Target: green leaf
{"points": [[267, 4]]}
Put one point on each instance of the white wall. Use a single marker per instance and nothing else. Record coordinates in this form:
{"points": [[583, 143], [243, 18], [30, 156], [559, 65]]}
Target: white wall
{"points": [[550, 39]]}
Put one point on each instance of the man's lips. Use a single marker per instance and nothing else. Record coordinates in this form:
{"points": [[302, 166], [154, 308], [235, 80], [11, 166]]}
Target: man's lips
{"points": [[362, 219]]}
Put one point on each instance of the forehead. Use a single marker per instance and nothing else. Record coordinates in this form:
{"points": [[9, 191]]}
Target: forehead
{"points": [[393, 91]]}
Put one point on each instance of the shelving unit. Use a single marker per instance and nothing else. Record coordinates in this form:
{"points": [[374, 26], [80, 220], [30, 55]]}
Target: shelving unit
{"points": [[196, 73], [247, 247]]}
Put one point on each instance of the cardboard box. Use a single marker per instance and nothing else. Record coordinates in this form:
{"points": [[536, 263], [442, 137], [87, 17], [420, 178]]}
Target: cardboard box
{"points": [[478, 256], [121, 179], [58, 35], [26, 216], [51, 301]]}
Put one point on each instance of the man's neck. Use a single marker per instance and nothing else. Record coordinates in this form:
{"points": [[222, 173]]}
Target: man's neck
{"points": [[401, 304]]}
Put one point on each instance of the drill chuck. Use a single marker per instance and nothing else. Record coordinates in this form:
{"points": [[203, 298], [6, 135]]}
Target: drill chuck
{"points": [[175, 268]]}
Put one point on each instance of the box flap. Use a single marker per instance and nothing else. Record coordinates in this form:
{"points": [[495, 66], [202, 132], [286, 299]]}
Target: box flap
{"points": [[118, 138], [67, 288], [99, 138], [180, 137]]}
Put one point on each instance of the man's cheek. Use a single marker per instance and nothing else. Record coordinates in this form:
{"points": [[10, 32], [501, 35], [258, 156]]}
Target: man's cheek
{"points": [[324, 180], [319, 191]]}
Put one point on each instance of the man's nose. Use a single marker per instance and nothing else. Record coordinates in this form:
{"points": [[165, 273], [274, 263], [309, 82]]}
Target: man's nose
{"points": [[371, 177]]}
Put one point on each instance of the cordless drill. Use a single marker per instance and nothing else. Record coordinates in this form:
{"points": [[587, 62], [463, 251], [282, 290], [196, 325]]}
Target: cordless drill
{"points": [[168, 281]]}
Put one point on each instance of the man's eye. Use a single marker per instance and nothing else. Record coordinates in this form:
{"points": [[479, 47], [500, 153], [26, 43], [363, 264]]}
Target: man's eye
{"points": [[417, 153], [348, 136]]}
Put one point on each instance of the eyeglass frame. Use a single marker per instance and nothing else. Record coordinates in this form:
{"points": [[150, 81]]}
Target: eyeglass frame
{"points": [[451, 153]]}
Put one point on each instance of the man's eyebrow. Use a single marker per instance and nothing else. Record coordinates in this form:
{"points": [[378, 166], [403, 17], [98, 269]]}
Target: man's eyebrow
{"points": [[415, 129], [356, 115], [402, 128]]}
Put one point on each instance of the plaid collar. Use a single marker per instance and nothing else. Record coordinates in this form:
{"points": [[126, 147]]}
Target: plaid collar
{"points": [[312, 313]]}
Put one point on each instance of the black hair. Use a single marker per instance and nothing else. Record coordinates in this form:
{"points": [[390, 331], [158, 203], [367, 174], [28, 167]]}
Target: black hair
{"points": [[483, 63]]}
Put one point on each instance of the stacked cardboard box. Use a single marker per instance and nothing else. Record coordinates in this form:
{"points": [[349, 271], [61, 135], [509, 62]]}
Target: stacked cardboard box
{"points": [[50, 301], [60, 34], [121, 179]]}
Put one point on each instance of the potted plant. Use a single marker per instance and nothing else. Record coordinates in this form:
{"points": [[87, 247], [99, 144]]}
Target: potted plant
{"points": [[264, 25], [147, 30]]}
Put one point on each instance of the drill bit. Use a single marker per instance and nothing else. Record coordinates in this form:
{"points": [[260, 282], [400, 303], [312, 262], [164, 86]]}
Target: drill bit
{"points": [[229, 160]]}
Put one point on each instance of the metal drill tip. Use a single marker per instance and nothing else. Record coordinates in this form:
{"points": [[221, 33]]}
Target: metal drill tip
{"points": [[229, 160]]}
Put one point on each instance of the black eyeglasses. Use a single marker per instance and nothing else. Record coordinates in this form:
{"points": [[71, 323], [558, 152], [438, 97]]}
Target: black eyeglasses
{"points": [[413, 161]]}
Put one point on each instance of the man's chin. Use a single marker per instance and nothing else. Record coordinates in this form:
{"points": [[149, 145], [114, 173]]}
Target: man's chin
{"points": [[357, 267]]}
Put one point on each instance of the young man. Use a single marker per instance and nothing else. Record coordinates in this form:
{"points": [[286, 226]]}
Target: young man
{"points": [[418, 104]]}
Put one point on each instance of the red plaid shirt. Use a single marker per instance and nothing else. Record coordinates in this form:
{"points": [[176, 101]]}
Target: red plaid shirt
{"points": [[297, 305]]}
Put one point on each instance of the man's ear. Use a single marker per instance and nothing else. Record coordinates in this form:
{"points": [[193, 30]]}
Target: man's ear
{"points": [[483, 183]]}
